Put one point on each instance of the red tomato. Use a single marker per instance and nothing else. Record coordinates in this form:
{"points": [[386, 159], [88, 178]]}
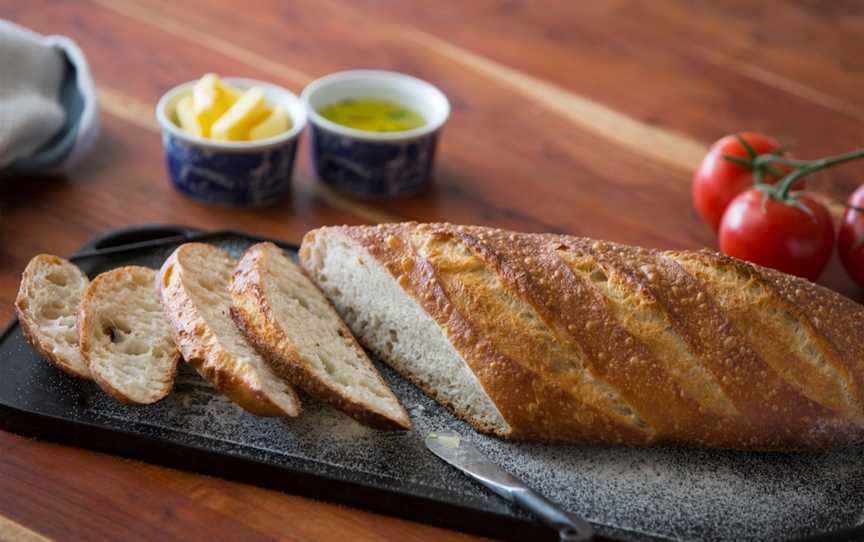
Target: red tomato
{"points": [[718, 181], [778, 235], [851, 235]]}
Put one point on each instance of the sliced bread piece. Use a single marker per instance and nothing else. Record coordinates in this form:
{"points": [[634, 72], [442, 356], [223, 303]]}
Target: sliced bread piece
{"points": [[291, 323], [193, 285], [47, 306], [125, 338]]}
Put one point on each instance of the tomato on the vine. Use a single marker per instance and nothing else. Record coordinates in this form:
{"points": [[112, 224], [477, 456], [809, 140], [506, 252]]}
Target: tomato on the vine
{"points": [[850, 240], [779, 234], [718, 180]]}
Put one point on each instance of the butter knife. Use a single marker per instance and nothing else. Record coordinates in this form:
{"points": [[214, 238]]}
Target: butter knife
{"points": [[452, 448]]}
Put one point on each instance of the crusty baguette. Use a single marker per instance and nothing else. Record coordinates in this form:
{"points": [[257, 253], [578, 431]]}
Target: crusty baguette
{"points": [[124, 336], [194, 288], [293, 326], [47, 307], [550, 337]]}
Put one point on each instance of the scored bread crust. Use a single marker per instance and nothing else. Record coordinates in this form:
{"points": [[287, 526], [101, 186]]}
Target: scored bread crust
{"points": [[201, 347], [88, 328], [833, 320], [747, 404], [31, 329], [252, 311]]}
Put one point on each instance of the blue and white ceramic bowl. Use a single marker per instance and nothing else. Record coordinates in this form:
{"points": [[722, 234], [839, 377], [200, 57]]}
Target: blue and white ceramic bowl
{"points": [[232, 174], [374, 164]]}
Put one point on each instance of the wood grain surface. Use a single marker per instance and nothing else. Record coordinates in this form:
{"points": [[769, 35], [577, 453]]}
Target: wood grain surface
{"points": [[579, 117]]}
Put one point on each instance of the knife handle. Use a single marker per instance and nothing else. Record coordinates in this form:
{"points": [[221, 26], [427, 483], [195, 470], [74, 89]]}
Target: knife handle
{"points": [[570, 528]]}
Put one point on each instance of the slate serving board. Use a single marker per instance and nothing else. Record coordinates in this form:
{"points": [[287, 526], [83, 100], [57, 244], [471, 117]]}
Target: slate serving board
{"points": [[629, 494]]}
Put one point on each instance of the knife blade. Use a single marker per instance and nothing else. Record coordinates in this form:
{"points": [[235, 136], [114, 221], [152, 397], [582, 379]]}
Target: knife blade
{"points": [[452, 448]]}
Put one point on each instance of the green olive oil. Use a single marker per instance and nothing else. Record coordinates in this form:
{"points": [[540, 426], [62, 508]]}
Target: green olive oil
{"points": [[373, 115]]}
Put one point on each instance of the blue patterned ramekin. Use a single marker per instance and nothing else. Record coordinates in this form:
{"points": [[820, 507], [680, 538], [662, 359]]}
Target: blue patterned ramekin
{"points": [[374, 164], [231, 174]]}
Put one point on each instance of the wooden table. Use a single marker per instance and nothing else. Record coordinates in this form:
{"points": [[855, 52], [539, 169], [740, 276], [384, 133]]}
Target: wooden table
{"points": [[578, 117]]}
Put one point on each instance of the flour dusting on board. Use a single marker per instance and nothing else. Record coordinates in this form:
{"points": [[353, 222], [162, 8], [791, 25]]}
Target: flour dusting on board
{"points": [[668, 492]]}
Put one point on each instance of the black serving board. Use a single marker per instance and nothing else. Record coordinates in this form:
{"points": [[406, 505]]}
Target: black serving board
{"points": [[629, 494]]}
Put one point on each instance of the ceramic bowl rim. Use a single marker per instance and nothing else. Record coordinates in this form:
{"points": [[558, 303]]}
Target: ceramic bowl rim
{"points": [[318, 121], [299, 119]]}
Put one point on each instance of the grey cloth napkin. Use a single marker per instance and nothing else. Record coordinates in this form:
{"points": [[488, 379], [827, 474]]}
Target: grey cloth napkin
{"points": [[48, 109]]}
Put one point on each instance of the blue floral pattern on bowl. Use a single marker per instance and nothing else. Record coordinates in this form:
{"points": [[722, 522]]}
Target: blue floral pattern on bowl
{"points": [[373, 169], [235, 179]]}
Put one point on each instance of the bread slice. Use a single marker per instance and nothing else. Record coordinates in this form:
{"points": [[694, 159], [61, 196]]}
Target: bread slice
{"points": [[291, 323], [124, 336], [47, 306], [394, 325], [193, 285]]}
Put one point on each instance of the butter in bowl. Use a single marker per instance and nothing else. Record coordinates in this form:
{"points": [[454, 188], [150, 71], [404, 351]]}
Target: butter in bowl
{"points": [[231, 142], [373, 133]]}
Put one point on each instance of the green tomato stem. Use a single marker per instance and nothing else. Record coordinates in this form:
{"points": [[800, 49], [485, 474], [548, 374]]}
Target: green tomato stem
{"points": [[802, 168]]}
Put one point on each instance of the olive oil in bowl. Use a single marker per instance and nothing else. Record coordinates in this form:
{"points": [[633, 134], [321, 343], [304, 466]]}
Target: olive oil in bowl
{"points": [[373, 115], [374, 133]]}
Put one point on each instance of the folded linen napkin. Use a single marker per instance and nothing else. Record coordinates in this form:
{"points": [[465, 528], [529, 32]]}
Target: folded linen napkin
{"points": [[48, 110]]}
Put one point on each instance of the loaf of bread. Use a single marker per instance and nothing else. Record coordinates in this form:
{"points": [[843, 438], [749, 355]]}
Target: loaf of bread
{"points": [[124, 336], [47, 305], [550, 337], [194, 287], [293, 326]]}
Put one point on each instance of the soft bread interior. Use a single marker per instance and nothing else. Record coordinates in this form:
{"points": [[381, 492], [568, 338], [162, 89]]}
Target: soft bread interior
{"points": [[48, 302], [323, 344], [127, 341], [390, 322], [205, 274]]}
